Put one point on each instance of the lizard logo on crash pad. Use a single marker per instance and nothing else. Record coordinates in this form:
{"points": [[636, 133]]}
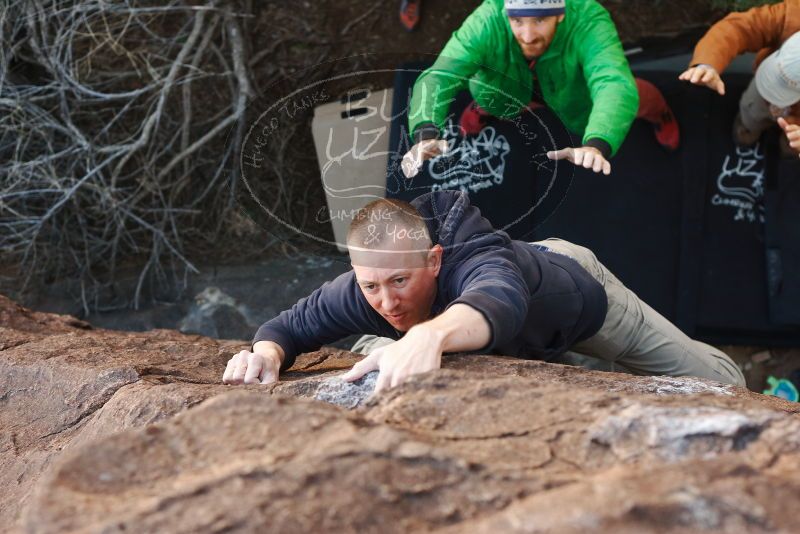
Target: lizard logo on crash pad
{"points": [[740, 184], [471, 163]]}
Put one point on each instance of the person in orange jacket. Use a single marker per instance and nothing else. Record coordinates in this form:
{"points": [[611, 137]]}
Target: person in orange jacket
{"points": [[772, 32]]}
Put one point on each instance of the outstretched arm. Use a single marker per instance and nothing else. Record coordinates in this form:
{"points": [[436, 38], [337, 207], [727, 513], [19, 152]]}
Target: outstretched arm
{"points": [[488, 305], [737, 33], [332, 312], [704, 75], [612, 88], [436, 88], [751, 31], [615, 98], [460, 328]]}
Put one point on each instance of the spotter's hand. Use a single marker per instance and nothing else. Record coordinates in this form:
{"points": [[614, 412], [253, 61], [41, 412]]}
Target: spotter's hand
{"points": [[792, 132], [585, 156], [422, 151], [704, 75]]}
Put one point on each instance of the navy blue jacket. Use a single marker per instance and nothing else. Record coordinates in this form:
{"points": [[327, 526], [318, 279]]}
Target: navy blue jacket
{"points": [[537, 303]]}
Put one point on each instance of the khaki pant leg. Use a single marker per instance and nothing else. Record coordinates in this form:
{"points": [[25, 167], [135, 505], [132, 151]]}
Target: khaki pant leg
{"points": [[754, 110], [639, 338], [368, 343]]}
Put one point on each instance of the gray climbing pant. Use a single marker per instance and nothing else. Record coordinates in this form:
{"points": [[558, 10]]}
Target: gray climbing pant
{"points": [[638, 338], [754, 110]]}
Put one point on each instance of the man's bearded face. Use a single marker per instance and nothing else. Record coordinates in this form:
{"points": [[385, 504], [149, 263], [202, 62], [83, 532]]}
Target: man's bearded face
{"points": [[534, 34]]}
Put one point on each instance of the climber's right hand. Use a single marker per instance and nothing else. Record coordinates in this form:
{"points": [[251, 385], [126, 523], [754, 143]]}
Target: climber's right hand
{"points": [[704, 75]]}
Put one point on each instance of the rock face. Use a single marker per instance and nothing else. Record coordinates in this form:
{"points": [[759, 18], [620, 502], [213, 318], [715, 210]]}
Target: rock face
{"points": [[109, 431]]}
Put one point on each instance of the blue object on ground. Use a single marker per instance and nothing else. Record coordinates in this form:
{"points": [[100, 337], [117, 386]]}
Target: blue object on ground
{"points": [[783, 388]]}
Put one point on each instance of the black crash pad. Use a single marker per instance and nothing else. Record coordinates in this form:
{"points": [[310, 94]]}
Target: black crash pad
{"points": [[684, 230]]}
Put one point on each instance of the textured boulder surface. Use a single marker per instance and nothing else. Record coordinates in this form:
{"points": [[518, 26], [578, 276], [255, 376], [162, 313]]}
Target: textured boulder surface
{"points": [[110, 431]]}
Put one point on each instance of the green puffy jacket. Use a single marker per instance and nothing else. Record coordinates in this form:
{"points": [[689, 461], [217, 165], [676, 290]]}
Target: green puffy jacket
{"points": [[584, 75]]}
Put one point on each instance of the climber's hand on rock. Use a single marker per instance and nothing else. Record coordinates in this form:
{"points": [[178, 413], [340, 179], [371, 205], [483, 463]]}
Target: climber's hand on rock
{"points": [[792, 132], [261, 367], [587, 157], [704, 75], [417, 352], [422, 151]]}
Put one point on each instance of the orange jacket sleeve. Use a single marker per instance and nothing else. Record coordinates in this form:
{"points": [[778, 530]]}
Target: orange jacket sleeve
{"points": [[756, 30]]}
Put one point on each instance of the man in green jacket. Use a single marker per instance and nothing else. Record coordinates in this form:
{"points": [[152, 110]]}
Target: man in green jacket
{"points": [[563, 53]]}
